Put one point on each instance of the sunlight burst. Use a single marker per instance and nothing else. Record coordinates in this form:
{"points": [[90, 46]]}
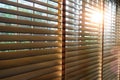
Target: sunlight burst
{"points": [[96, 17]]}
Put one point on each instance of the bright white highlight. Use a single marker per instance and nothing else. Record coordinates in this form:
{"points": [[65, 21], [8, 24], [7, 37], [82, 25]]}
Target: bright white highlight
{"points": [[96, 17]]}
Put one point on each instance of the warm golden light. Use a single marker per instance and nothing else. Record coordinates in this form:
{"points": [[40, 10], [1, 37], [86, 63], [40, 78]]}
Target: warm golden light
{"points": [[96, 17]]}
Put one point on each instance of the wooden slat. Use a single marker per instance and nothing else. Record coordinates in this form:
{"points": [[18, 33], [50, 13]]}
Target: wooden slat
{"points": [[16, 46], [90, 25], [15, 29], [109, 57], [44, 4], [50, 76], [80, 43], [71, 17], [71, 12], [81, 57], [89, 34], [70, 22], [82, 52], [80, 38], [27, 38], [74, 32], [70, 27], [26, 22], [80, 47], [90, 30], [74, 2]]}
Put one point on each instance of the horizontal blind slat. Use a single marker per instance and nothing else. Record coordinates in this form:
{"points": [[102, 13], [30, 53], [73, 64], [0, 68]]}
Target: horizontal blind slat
{"points": [[44, 4], [28, 45], [27, 38], [26, 22], [15, 29]]}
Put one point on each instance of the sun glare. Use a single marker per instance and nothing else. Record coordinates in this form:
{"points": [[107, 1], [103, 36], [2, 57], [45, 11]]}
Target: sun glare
{"points": [[96, 17]]}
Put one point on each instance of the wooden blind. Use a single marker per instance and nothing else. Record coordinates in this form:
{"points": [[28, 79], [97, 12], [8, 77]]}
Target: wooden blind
{"points": [[72, 66], [117, 34], [110, 63], [30, 40], [118, 25], [59, 40], [82, 40]]}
